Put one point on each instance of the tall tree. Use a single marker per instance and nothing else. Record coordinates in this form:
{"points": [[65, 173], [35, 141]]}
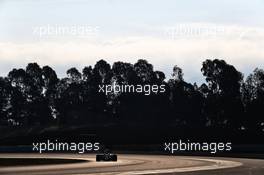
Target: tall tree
{"points": [[38, 106], [177, 74], [184, 96], [224, 99], [50, 81], [144, 71], [74, 75], [253, 97], [19, 111], [5, 95]]}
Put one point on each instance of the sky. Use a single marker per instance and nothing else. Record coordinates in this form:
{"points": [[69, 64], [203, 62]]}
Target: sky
{"points": [[77, 33]]}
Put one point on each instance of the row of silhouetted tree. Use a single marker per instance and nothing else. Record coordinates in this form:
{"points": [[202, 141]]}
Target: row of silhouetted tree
{"points": [[36, 96]]}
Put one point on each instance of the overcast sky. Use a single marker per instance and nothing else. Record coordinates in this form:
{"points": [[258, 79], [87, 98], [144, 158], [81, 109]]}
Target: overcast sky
{"points": [[76, 33]]}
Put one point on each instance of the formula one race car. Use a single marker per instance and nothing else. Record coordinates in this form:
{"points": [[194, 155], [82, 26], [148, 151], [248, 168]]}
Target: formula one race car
{"points": [[106, 157]]}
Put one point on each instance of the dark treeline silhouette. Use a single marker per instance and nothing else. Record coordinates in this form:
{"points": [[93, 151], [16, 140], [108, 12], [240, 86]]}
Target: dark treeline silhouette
{"points": [[226, 105]]}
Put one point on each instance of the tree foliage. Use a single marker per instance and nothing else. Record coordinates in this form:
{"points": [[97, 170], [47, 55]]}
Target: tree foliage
{"points": [[36, 96]]}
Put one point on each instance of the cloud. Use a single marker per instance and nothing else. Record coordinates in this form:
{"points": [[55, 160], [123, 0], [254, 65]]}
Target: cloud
{"points": [[243, 49]]}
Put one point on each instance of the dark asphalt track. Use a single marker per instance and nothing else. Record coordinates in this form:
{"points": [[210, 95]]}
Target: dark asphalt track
{"points": [[139, 164], [249, 167]]}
